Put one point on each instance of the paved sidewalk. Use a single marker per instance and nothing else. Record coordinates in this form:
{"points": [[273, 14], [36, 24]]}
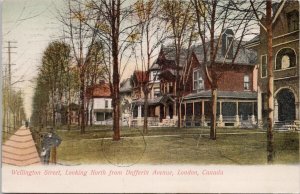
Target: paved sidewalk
{"points": [[20, 150]]}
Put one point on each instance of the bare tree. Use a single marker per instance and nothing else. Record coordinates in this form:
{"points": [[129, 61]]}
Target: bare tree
{"points": [[179, 18], [151, 35], [114, 29], [213, 19], [266, 24], [81, 38]]}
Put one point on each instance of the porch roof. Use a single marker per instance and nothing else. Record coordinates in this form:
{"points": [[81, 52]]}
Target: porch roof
{"points": [[102, 110], [154, 101], [223, 95]]}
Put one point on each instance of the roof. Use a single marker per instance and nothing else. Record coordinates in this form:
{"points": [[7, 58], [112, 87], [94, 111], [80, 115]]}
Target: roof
{"points": [[126, 86], [223, 94], [244, 57], [101, 90], [20, 150], [140, 76], [154, 101], [253, 40], [167, 58]]}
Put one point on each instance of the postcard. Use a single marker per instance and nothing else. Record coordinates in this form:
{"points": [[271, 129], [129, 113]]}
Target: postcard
{"points": [[156, 96]]}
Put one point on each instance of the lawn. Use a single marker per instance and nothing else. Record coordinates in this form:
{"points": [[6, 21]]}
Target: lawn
{"points": [[175, 146]]}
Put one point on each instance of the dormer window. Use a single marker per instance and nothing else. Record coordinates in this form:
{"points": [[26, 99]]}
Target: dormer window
{"points": [[227, 44], [285, 58], [293, 20], [198, 81]]}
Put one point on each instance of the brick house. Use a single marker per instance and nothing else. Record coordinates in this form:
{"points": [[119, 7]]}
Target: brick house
{"points": [[286, 63], [237, 97]]}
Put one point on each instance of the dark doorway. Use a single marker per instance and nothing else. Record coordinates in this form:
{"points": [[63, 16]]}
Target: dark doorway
{"points": [[162, 112], [171, 111], [286, 105]]}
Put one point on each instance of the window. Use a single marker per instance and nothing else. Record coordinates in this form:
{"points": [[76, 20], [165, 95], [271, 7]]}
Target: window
{"points": [[293, 21], [156, 92], [106, 103], [229, 47], [100, 116], [285, 58], [246, 82], [263, 66], [154, 76], [198, 81]]}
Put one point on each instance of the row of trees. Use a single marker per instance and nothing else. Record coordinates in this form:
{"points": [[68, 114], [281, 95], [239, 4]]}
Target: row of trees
{"points": [[13, 109]]}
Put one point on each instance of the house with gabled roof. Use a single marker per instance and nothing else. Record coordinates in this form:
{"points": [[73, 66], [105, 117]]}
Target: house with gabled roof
{"points": [[100, 103], [237, 96]]}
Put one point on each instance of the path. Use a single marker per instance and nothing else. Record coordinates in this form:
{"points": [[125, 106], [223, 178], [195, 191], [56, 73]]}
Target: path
{"points": [[20, 150]]}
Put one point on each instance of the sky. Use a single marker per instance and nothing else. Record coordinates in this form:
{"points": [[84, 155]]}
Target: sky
{"points": [[32, 24]]}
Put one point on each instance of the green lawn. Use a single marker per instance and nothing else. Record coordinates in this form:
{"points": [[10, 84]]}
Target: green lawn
{"points": [[175, 146]]}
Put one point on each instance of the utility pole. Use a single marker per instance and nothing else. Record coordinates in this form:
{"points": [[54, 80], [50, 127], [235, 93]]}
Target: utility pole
{"points": [[7, 85]]}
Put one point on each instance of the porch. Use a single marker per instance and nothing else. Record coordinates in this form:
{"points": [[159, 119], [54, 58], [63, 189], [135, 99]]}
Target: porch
{"points": [[234, 109]]}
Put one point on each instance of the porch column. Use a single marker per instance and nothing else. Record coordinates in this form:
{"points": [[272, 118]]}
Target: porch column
{"points": [[139, 111], [275, 110], [259, 108], [193, 115], [167, 111], [237, 119], [202, 113], [253, 121], [220, 123], [139, 118], [297, 105], [184, 110], [175, 109]]}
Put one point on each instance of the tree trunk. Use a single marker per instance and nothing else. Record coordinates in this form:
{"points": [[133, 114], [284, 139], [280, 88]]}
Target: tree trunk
{"points": [[53, 113], [270, 146], [116, 76], [91, 113], [146, 92], [82, 103], [213, 119]]}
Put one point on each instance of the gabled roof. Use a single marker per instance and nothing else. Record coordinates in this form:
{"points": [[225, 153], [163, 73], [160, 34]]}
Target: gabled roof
{"points": [[167, 59], [126, 85], [141, 76], [244, 57], [154, 101], [101, 90]]}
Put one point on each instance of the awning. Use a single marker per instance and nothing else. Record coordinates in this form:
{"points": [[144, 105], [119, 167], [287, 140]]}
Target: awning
{"points": [[102, 110]]}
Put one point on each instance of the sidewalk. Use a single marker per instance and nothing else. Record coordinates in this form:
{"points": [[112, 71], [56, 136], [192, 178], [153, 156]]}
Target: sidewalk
{"points": [[20, 150]]}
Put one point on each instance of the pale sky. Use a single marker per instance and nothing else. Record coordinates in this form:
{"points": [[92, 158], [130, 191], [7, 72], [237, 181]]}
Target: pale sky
{"points": [[32, 24]]}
